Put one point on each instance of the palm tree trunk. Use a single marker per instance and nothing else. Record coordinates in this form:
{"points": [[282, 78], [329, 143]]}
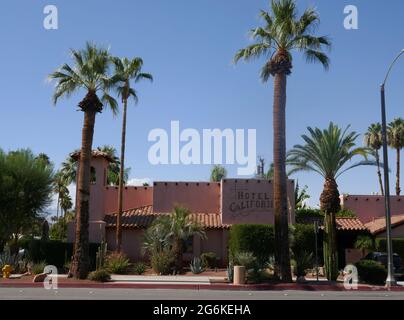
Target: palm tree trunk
{"points": [[379, 174], [398, 190], [282, 258], [121, 180], [330, 205], [81, 261]]}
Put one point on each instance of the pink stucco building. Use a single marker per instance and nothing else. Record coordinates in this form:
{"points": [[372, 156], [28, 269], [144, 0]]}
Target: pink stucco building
{"points": [[215, 205]]}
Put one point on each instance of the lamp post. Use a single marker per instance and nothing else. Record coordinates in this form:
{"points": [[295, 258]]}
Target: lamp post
{"points": [[390, 281]]}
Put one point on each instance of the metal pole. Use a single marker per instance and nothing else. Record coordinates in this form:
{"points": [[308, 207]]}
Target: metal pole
{"points": [[315, 239], [390, 281]]}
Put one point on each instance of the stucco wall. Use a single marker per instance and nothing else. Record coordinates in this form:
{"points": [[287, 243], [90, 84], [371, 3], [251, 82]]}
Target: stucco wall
{"points": [[396, 232], [199, 197], [133, 197], [132, 240], [368, 207]]}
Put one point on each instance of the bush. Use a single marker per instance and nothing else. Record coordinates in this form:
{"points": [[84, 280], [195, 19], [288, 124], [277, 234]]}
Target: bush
{"points": [[139, 268], [398, 246], [371, 272], [258, 239], [38, 268], [162, 262], [302, 238], [309, 213], [117, 263], [209, 260], [303, 261], [196, 266], [100, 275]]}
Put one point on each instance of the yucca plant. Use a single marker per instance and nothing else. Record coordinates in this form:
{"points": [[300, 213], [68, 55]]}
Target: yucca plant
{"points": [[196, 266]]}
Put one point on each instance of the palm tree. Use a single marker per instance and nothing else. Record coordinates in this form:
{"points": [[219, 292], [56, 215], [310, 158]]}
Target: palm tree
{"points": [[395, 138], [179, 228], [90, 72], [364, 243], [126, 70], [327, 152], [114, 166], [61, 190], [282, 34], [301, 196], [218, 173], [373, 140]]}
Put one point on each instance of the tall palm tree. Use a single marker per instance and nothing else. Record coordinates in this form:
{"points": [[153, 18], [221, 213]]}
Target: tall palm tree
{"points": [[328, 152], [61, 190], [395, 138], [126, 70], [283, 33], [218, 173], [90, 72], [114, 166], [373, 140]]}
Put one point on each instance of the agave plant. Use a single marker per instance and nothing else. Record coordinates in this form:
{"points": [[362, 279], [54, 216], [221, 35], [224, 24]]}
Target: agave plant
{"points": [[196, 266]]}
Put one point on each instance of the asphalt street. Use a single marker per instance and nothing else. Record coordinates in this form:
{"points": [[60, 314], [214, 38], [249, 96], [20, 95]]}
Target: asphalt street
{"points": [[168, 294]]}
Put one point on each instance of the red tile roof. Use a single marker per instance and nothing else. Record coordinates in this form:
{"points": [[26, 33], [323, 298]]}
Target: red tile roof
{"points": [[143, 217], [343, 224], [379, 225]]}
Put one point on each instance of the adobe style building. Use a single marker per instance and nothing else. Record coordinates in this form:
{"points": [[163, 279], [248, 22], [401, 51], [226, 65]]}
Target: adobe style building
{"points": [[215, 205]]}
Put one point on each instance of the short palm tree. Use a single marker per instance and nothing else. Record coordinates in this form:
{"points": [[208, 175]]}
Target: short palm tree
{"points": [[328, 152], [218, 173], [373, 140], [283, 33], [395, 139], [364, 243], [179, 227], [90, 72], [126, 70]]}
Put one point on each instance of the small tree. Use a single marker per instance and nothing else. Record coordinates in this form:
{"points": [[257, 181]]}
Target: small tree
{"points": [[364, 243], [218, 173]]}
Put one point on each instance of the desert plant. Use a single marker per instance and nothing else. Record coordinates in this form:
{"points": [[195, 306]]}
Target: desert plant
{"points": [[196, 266], [162, 262], [371, 272], [6, 258], [100, 256], [364, 243], [39, 267], [230, 271], [303, 261], [209, 260], [139, 268], [100, 275], [246, 259], [117, 263]]}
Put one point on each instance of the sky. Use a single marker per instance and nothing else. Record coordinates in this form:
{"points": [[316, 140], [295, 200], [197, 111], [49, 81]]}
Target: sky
{"points": [[188, 46]]}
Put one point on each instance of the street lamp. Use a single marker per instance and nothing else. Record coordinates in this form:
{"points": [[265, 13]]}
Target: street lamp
{"points": [[390, 281]]}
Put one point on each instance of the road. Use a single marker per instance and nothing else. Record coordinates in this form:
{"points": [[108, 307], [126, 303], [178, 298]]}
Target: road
{"points": [[168, 294]]}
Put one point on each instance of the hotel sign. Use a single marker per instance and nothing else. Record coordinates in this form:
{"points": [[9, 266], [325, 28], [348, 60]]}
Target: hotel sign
{"points": [[250, 201]]}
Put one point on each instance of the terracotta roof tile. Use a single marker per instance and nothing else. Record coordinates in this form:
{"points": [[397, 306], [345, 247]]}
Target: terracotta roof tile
{"points": [[379, 225], [343, 224], [143, 217]]}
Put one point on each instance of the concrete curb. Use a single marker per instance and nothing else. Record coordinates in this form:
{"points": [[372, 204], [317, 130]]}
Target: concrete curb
{"points": [[247, 287]]}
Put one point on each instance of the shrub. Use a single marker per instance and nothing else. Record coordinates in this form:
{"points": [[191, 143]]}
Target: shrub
{"points": [[255, 238], [162, 262], [309, 213], [302, 238], [38, 268], [196, 266], [117, 263], [245, 259], [371, 272], [139, 268], [303, 261], [398, 246], [209, 260], [100, 275]]}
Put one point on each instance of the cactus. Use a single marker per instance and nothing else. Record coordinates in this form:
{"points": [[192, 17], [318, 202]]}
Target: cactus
{"points": [[196, 266], [100, 256], [230, 272]]}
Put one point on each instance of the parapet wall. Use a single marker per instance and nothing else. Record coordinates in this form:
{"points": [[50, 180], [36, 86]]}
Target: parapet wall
{"points": [[368, 207]]}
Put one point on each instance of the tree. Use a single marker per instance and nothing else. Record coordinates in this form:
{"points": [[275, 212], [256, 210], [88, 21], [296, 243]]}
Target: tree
{"points": [[174, 230], [364, 243], [90, 72], [60, 188], [373, 140], [301, 196], [395, 139], [326, 152], [25, 191], [282, 34], [126, 70], [114, 166], [218, 173]]}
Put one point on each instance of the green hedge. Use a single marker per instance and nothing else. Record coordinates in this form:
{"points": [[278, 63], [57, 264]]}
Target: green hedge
{"points": [[256, 238], [371, 272], [303, 239], [398, 246], [54, 252]]}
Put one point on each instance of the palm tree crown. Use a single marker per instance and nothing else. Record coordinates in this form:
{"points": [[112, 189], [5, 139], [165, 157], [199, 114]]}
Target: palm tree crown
{"points": [[283, 33], [90, 72], [373, 137], [327, 152]]}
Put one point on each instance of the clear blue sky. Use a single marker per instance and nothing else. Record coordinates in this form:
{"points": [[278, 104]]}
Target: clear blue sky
{"points": [[188, 46]]}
